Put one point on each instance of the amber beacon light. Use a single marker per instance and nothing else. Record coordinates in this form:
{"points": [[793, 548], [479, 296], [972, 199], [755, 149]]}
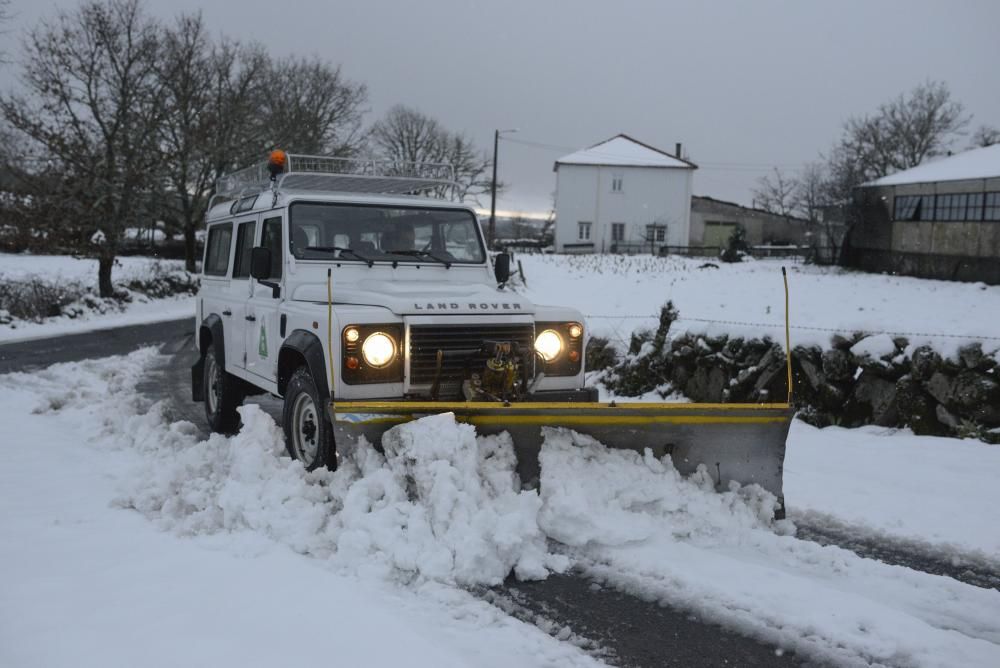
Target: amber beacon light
{"points": [[276, 162]]}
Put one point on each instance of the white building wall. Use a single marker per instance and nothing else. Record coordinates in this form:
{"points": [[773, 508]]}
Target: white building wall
{"points": [[650, 195]]}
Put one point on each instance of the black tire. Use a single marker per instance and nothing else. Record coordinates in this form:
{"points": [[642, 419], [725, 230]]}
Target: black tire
{"points": [[308, 432], [223, 393]]}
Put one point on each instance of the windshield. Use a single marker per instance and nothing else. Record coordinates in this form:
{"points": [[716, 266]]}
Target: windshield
{"points": [[382, 233]]}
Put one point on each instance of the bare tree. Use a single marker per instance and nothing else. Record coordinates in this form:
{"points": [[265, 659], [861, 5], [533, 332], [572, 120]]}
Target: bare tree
{"points": [[985, 135], [810, 191], [211, 124], [901, 134], [408, 135], [309, 106], [93, 109], [776, 192]]}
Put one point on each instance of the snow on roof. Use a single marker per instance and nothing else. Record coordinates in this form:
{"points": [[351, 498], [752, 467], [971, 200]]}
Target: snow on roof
{"points": [[978, 163], [623, 151]]}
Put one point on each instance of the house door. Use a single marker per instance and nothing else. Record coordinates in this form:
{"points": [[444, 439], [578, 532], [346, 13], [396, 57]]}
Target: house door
{"points": [[717, 234]]}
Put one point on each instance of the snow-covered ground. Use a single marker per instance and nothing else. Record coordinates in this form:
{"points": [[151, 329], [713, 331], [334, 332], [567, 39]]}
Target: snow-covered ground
{"points": [[924, 488], [255, 554], [69, 268], [83, 272], [747, 299]]}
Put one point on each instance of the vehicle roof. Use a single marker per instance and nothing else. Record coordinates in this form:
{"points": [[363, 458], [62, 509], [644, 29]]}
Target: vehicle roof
{"points": [[221, 211]]}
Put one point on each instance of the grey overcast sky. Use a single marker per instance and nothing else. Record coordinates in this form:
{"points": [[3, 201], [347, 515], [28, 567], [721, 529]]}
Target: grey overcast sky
{"points": [[743, 85]]}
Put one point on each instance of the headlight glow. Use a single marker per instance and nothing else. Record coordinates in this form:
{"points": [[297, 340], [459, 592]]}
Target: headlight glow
{"points": [[549, 344], [575, 331], [378, 349]]}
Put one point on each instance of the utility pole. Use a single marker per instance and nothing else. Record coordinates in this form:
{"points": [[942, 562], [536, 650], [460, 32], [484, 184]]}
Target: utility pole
{"points": [[491, 237]]}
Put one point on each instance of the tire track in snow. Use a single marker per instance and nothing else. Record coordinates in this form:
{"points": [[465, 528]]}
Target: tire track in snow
{"points": [[897, 551]]}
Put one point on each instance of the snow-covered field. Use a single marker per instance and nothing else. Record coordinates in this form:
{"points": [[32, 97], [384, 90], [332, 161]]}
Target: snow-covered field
{"points": [[747, 299], [128, 540], [65, 269]]}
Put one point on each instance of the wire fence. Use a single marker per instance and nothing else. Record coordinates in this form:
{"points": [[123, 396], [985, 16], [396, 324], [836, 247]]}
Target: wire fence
{"points": [[781, 326]]}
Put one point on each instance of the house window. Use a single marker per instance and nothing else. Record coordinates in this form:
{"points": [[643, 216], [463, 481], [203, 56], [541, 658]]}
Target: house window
{"points": [[915, 207], [906, 208], [953, 207], [616, 182], [618, 231], [975, 210], [583, 230], [656, 233], [992, 209]]}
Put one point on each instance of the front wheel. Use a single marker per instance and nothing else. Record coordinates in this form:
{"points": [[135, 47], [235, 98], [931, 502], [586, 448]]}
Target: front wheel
{"points": [[308, 432]]}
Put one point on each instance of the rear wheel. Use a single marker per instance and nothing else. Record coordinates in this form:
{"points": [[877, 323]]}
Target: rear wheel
{"points": [[308, 432], [222, 396]]}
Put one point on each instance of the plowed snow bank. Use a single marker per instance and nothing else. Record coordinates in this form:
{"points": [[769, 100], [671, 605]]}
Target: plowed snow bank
{"points": [[440, 504]]}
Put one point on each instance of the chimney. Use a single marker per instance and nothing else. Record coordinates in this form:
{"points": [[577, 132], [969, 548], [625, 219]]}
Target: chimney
{"points": [[677, 150]]}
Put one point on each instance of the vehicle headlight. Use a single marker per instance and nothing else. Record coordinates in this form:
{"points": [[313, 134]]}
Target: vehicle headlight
{"points": [[549, 344], [378, 349]]}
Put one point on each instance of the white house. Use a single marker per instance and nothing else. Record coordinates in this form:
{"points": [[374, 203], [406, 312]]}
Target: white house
{"points": [[622, 194]]}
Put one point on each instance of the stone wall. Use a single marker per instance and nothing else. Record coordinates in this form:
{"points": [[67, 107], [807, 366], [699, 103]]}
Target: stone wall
{"points": [[859, 380]]}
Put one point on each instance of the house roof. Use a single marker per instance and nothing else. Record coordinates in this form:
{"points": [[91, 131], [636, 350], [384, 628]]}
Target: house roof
{"points": [[624, 151], [977, 163], [696, 199]]}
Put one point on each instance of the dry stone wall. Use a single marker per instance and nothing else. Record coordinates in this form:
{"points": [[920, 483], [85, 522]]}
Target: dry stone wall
{"points": [[859, 380]]}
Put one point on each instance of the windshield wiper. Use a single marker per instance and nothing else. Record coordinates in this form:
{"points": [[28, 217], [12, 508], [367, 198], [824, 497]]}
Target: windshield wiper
{"points": [[421, 253], [342, 250]]}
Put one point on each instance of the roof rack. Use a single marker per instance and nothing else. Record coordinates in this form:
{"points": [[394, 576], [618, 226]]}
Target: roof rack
{"points": [[318, 172]]}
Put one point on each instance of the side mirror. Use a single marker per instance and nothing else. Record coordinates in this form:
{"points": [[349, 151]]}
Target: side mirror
{"points": [[260, 269], [501, 268], [260, 263]]}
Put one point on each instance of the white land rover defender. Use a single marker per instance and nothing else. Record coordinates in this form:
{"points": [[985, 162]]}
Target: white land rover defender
{"points": [[327, 280]]}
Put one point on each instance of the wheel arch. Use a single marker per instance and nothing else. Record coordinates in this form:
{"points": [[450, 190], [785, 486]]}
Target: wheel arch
{"points": [[302, 347]]}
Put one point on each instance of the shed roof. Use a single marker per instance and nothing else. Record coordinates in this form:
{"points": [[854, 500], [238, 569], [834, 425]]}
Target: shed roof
{"points": [[624, 151], [977, 163]]}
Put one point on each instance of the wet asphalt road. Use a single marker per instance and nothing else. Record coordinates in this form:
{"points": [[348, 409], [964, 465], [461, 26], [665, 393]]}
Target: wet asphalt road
{"points": [[615, 627], [26, 355]]}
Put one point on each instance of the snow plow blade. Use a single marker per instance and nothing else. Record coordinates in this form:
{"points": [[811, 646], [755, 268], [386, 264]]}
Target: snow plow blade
{"points": [[741, 442]]}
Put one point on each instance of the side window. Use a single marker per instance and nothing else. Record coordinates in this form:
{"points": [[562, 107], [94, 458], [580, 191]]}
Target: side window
{"points": [[217, 249], [244, 246], [271, 238]]}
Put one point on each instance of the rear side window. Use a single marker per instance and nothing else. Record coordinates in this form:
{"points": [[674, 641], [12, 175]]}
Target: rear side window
{"points": [[271, 238], [244, 246], [217, 249]]}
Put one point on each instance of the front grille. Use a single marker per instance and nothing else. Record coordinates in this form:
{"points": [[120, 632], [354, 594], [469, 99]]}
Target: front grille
{"points": [[460, 344]]}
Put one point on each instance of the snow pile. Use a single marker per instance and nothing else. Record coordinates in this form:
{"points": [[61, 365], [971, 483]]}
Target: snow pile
{"points": [[439, 505], [597, 496]]}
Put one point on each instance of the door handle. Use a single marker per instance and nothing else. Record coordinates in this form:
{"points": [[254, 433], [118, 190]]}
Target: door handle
{"points": [[252, 318], [227, 312]]}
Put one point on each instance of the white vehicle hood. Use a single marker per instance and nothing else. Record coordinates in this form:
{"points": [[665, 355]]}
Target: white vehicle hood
{"points": [[422, 297]]}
